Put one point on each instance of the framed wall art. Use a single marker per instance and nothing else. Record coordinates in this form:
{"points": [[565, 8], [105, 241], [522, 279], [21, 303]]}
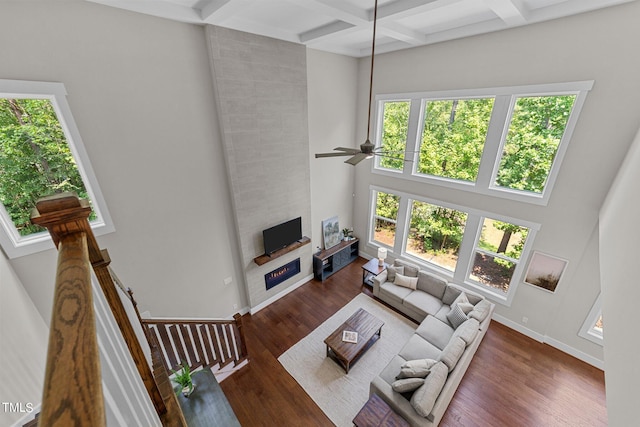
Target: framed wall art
{"points": [[331, 232], [545, 271]]}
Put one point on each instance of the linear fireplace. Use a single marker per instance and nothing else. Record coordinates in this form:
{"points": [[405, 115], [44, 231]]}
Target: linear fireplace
{"points": [[281, 274]]}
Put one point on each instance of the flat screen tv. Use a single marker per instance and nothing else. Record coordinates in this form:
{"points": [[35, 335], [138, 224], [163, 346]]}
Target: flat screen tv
{"points": [[281, 235]]}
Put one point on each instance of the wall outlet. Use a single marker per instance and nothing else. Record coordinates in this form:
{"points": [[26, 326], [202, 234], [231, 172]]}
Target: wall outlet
{"points": [[525, 320], [235, 306], [228, 280]]}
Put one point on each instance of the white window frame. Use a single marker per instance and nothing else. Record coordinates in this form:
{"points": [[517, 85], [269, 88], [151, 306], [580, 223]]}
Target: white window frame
{"points": [[12, 242], [588, 330], [505, 99], [466, 254]]}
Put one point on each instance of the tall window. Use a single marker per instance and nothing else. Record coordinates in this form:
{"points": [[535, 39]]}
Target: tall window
{"points": [[497, 253], [395, 119], [435, 234], [507, 142], [481, 250], [453, 138], [535, 131], [40, 154], [386, 214]]}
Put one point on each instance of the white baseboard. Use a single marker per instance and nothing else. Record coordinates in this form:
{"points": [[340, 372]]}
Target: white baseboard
{"points": [[276, 297], [551, 341]]}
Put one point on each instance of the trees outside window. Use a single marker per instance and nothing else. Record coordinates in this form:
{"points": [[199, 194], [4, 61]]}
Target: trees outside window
{"points": [[435, 234], [483, 251], [41, 154], [386, 214], [507, 142], [453, 137]]}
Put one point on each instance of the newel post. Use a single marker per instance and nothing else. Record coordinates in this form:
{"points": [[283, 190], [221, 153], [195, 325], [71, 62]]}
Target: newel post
{"points": [[72, 387]]}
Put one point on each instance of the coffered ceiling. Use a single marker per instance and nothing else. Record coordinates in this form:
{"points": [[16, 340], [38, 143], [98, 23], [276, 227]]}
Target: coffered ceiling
{"points": [[345, 26]]}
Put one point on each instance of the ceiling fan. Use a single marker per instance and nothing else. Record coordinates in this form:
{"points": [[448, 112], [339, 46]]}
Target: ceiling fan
{"points": [[367, 149]]}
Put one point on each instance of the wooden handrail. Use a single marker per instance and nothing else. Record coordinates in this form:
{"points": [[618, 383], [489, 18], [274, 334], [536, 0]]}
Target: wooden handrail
{"points": [[66, 218], [73, 390]]}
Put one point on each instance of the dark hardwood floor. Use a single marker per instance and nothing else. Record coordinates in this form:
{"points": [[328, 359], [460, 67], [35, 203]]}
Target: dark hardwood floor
{"points": [[512, 381]]}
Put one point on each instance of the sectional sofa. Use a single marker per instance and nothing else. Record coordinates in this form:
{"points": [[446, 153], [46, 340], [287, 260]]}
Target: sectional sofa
{"points": [[420, 381]]}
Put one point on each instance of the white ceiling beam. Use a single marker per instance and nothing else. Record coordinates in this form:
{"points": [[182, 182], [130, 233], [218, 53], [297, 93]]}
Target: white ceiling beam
{"points": [[161, 9], [512, 12], [401, 33], [329, 30], [337, 9], [216, 12], [405, 8]]}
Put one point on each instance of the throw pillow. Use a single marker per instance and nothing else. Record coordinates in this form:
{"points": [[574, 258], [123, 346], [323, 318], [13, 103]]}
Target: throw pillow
{"points": [[424, 398], [392, 271], [418, 368], [407, 282], [481, 310], [450, 294], [466, 307], [460, 299], [456, 316], [407, 384]]}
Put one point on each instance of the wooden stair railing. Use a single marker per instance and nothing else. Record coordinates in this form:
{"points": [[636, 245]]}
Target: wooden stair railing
{"points": [[73, 390], [199, 342]]}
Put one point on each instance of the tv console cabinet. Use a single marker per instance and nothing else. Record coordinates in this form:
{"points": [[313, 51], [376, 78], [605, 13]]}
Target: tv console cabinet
{"points": [[332, 260]]}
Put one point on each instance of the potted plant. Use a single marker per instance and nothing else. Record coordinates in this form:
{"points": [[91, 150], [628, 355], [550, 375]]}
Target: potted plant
{"points": [[183, 378], [346, 233]]}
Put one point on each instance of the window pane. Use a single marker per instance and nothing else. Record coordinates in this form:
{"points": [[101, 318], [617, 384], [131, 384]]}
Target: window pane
{"points": [[497, 254], [35, 160], [453, 137], [435, 234], [535, 132], [385, 218], [394, 134]]}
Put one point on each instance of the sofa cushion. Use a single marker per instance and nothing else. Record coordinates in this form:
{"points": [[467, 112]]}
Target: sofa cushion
{"points": [[418, 368], [466, 307], [394, 292], [392, 270], [424, 398], [450, 294], [406, 384], [390, 372], [406, 281], [410, 270], [467, 331], [418, 348], [423, 302], [431, 284], [441, 315], [456, 316], [436, 332], [481, 310], [452, 352]]}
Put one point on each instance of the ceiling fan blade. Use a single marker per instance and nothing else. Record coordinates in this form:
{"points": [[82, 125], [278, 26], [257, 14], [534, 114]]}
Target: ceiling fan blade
{"points": [[356, 159], [318, 155], [347, 150]]}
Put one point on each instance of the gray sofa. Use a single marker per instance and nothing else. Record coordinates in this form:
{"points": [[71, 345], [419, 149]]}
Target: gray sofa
{"points": [[453, 322]]}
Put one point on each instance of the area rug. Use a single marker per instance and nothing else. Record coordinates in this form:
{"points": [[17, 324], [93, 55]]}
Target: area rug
{"points": [[340, 396]]}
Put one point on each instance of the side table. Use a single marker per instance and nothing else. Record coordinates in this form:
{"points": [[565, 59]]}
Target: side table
{"points": [[371, 269], [376, 412]]}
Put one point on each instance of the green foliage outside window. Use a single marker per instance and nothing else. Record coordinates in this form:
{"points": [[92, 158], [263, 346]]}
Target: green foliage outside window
{"points": [[35, 159], [536, 128], [453, 137], [394, 134]]}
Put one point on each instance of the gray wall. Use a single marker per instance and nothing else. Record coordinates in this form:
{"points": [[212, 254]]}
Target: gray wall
{"points": [[141, 93]]}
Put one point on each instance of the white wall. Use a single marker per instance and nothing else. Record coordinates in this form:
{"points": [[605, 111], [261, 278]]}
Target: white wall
{"points": [[589, 46], [23, 340], [141, 94], [619, 236], [332, 88]]}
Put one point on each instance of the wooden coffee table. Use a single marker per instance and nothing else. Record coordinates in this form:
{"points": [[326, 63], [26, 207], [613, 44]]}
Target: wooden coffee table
{"points": [[346, 354]]}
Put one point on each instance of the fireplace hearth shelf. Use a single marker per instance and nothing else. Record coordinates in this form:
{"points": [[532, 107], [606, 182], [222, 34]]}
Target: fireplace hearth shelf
{"points": [[263, 259]]}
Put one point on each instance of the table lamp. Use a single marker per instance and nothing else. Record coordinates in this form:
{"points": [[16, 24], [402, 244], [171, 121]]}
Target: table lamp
{"points": [[382, 254]]}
